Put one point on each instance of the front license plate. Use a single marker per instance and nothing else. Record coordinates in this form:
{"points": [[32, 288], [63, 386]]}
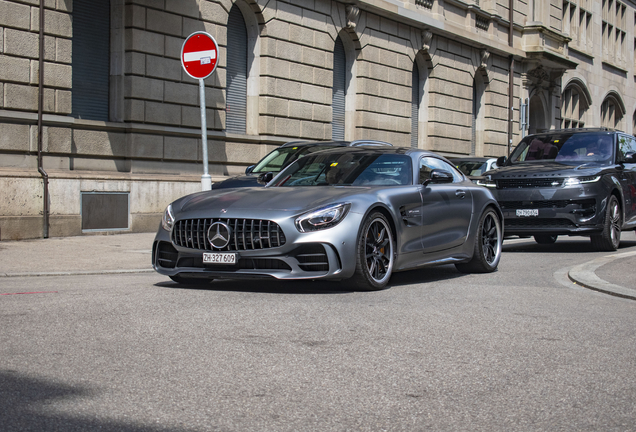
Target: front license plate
{"points": [[527, 212], [219, 258]]}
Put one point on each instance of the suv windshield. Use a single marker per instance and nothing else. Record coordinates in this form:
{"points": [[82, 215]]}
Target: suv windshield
{"points": [[571, 149], [347, 169]]}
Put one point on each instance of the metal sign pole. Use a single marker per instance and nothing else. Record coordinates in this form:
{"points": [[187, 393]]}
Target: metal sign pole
{"points": [[206, 180]]}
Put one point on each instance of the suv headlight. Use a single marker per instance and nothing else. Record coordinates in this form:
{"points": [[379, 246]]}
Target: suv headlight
{"points": [[322, 218], [167, 221], [575, 181], [486, 181]]}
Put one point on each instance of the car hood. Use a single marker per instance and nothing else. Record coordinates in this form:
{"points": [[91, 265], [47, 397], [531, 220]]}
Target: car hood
{"points": [[545, 169], [254, 202], [249, 180]]}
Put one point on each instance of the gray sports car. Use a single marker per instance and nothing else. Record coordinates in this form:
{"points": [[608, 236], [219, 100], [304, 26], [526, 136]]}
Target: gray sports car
{"points": [[354, 214]]}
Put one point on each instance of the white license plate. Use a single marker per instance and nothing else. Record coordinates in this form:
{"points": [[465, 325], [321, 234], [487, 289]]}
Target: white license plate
{"points": [[527, 212], [219, 258]]}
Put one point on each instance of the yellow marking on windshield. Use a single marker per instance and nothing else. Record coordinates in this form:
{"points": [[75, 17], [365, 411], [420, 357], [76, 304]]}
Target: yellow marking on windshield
{"points": [[334, 164], [294, 148]]}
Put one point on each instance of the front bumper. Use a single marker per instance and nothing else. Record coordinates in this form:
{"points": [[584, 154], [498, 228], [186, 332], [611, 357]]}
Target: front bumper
{"points": [[555, 211], [327, 254]]}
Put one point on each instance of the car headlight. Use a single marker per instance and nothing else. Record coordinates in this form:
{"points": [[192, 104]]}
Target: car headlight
{"points": [[322, 218], [167, 221], [485, 181], [575, 181]]}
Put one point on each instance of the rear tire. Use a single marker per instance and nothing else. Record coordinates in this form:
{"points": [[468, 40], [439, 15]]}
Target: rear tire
{"points": [[191, 281], [610, 237], [487, 249], [375, 253], [545, 239]]}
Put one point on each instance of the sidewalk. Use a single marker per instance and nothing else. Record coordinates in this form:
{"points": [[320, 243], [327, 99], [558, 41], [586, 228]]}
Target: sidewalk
{"points": [[116, 253], [131, 253]]}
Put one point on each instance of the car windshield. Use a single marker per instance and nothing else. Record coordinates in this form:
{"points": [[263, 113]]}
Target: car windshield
{"points": [[283, 156], [472, 168], [348, 169], [571, 149]]}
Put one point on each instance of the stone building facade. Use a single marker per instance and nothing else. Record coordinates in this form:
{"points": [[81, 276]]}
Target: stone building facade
{"points": [[100, 126]]}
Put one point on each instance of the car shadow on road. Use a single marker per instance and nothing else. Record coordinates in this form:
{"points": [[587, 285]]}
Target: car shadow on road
{"points": [[578, 245], [410, 277], [263, 286]]}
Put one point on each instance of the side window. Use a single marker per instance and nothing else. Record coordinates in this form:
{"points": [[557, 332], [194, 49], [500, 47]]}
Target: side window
{"points": [[428, 164], [626, 144]]}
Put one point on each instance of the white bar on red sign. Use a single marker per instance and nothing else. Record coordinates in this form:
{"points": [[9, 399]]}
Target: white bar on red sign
{"points": [[197, 56]]}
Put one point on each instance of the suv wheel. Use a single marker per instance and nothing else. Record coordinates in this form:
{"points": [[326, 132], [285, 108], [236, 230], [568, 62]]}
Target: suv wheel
{"points": [[610, 237]]}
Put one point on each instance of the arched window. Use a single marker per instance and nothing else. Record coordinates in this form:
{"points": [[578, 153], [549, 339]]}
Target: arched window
{"points": [[612, 112], [575, 104], [236, 92], [338, 100]]}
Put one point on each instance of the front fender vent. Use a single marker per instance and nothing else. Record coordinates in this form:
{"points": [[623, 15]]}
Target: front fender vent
{"points": [[247, 234]]}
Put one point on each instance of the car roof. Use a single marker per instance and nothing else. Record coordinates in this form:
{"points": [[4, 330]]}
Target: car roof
{"points": [[470, 158], [355, 143]]}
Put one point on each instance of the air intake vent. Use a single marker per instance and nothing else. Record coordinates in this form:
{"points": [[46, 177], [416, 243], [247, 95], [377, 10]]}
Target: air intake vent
{"points": [[529, 183]]}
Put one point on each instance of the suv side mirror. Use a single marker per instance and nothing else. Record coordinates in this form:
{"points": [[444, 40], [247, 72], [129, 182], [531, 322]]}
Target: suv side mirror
{"points": [[265, 178], [439, 176], [249, 169], [501, 161], [630, 157]]}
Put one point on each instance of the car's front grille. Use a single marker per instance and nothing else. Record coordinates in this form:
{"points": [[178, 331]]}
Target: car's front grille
{"points": [[529, 183], [247, 234], [537, 223]]}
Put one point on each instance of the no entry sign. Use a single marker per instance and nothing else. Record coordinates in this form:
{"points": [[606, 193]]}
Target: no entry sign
{"points": [[199, 55]]}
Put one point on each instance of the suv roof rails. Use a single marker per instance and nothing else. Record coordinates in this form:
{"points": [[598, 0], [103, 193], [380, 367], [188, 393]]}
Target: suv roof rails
{"points": [[577, 130]]}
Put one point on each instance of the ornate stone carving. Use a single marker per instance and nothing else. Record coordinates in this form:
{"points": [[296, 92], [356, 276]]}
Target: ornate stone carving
{"points": [[484, 54], [427, 37], [538, 75], [353, 13]]}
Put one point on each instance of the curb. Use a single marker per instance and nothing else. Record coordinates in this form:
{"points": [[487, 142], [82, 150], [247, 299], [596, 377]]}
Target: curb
{"points": [[585, 276], [75, 273]]}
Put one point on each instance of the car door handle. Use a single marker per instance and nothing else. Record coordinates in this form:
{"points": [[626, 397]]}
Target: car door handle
{"points": [[460, 193]]}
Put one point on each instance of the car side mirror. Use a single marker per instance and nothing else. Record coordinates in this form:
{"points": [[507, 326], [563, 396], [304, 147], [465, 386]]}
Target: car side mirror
{"points": [[501, 161], [249, 169], [265, 178], [439, 176], [630, 157]]}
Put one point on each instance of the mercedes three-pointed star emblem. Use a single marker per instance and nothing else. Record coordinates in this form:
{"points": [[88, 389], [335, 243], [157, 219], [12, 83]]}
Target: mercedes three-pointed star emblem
{"points": [[219, 235]]}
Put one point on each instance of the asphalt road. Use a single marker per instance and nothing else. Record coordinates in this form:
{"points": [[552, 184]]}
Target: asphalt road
{"points": [[520, 349]]}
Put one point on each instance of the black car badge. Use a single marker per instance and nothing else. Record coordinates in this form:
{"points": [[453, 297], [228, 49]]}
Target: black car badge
{"points": [[219, 235]]}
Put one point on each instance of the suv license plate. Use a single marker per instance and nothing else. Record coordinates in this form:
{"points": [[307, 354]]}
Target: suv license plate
{"points": [[527, 212], [219, 258]]}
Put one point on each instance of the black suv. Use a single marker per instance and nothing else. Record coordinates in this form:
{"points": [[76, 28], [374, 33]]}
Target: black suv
{"points": [[279, 158], [579, 182]]}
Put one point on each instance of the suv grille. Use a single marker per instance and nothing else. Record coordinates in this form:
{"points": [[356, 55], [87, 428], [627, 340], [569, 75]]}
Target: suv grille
{"points": [[529, 183], [584, 204], [247, 234]]}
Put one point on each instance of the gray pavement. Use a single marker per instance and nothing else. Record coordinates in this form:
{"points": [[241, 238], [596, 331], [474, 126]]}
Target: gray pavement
{"points": [[131, 253]]}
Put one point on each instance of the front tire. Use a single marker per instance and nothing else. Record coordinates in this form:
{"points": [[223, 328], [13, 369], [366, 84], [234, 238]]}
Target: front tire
{"points": [[487, 249], [610, 237], [374, 254]]}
